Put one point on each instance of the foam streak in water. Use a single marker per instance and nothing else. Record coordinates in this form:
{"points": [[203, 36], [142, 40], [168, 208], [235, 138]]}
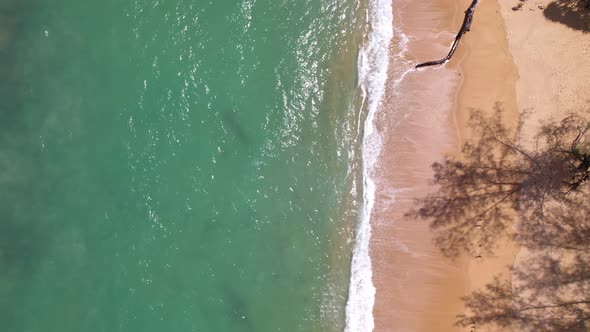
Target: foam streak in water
{"points": [[372, 66]]}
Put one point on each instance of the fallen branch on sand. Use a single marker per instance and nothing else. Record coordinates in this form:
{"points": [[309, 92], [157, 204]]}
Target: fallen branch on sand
{"points": [[466, 27]]}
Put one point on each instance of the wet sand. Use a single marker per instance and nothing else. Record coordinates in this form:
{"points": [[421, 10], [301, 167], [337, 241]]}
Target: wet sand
{"points": [[417, 288], [423, 118]]}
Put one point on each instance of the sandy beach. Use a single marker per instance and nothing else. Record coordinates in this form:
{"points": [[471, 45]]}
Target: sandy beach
{"points": [[533, 59], [490, 78], [417, 288]]}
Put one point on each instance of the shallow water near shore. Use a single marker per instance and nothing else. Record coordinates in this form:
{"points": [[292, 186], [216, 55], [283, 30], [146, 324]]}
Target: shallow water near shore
{"points": [[178, 165]]}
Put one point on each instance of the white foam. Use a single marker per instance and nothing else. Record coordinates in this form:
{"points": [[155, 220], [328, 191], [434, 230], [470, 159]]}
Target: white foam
{"points": [[372, 67]]}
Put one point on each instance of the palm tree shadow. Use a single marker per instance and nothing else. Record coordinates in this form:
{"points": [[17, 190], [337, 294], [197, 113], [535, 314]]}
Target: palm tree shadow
{"points": [[572, 13]]}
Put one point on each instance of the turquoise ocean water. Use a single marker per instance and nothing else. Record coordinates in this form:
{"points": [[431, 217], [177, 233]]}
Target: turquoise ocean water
{"points": [[175, 165]]}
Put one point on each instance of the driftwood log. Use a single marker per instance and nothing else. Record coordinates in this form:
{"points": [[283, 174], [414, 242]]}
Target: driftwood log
{"points": [[466, 27]]}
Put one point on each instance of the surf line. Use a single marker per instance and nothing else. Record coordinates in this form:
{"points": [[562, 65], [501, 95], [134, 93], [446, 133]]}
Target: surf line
{"points": [[373, 64]]}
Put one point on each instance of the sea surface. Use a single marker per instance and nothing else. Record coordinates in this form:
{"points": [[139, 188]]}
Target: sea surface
{"points": [[176, 165]]}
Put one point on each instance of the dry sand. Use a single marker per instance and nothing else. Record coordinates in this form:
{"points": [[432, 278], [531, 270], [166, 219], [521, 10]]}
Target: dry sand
{"points": [[550, 43], [490, 78]]}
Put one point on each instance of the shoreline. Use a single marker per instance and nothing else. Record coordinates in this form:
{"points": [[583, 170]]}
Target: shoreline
{"points": [[372, 66], [506, 61], [428, 286], [417, 288]]}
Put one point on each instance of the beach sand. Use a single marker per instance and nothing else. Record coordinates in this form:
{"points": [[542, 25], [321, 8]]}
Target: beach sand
{"points": [[424, 118], [417, 288], [490, 78], [534, 60], [550, 44]]}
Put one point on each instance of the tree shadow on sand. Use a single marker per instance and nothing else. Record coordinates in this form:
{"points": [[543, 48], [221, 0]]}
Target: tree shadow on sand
{"points": [[535, 195], [479, 195], [550, 289], [572, 13], [549, 295]]}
